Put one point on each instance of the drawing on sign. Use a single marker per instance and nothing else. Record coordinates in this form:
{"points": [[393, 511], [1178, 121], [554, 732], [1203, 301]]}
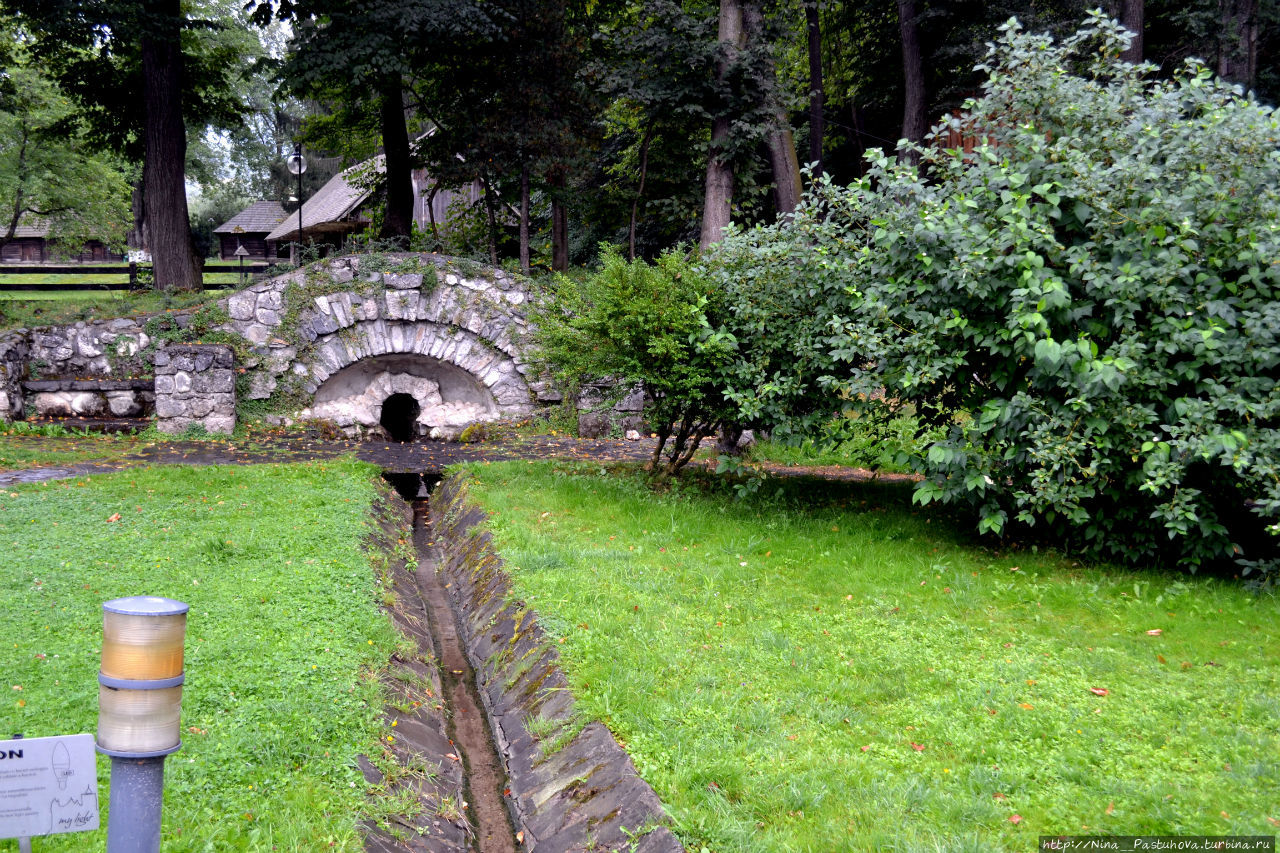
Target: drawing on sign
{"points": [[75, 813], [61, 765]]}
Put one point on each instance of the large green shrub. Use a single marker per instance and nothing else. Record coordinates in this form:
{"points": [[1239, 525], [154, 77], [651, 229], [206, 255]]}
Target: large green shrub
{"points": [[1090, 294]]}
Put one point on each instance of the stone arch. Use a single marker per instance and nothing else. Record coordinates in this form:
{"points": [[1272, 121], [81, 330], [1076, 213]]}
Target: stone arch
{"points": [[342, 328]]}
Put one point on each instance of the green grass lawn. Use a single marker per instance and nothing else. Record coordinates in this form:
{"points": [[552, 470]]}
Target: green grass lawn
{"points": [[284, 638], [827, 669], [94, 279], [25, 309], [24, 445]]}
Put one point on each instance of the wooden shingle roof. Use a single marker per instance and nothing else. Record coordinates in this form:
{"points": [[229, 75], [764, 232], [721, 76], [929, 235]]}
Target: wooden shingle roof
{"points": [[258, 218], [332, 207]]}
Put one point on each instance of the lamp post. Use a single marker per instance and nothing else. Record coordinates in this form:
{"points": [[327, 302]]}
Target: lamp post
{"points": [[139, 707], [298, 165]]}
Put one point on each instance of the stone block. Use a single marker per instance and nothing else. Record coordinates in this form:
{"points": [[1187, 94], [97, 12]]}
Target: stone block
{"points": [[168, 408], [267, 317], [88, 404], [172, 425], [181, 382], [257, 333], [221, 424], [164, 382], [198, 407], [124, 404], [403, 281], [272, 300], [240, 306], [52, 404]]}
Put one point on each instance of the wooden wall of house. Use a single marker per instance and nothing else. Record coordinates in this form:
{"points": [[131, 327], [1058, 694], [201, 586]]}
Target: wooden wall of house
{"points": [[255, 244], [28, 250]]}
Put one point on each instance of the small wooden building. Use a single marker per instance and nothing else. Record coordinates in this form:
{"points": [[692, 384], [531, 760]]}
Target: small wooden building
{"points": [[31, 245], [251, 228]]}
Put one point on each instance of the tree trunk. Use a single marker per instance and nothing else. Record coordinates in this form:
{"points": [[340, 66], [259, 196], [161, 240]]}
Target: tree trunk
{"points": [[163, 177], [635, 203], [914, 122], [397, 224], [1238, 55], [524, 218], [559, 236], [718, 196], [490, 208], [779, 139], [1130, 16], [817, 94], [138, 237]]}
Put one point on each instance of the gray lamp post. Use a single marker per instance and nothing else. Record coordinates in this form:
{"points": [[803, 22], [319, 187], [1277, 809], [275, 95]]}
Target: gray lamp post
{"points": [[298, 165]]}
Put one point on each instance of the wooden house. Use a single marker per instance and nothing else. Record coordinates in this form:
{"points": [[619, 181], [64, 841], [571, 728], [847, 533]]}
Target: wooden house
{"points": [[31, 245], [251, 228]]}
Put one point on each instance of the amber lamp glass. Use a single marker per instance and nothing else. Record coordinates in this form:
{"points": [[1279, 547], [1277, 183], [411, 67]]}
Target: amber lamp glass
{"points": [[140, 685]]}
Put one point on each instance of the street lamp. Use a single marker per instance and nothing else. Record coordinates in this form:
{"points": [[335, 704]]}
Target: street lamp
{"points": [[298, 165], [139, 709]]}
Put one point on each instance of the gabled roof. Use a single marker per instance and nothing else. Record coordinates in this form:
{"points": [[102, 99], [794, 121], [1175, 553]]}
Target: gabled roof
{"points": [[29, 226], [332, 205], [259, 217]]}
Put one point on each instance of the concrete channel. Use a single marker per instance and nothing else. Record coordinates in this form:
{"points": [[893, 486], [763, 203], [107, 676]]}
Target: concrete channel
{"points": [[570, 787]]}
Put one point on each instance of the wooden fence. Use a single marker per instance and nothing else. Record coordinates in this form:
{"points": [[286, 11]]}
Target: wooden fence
{"points": [[44, 277]]}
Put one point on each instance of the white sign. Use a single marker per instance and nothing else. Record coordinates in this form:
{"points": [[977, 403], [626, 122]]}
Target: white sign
{"points": [[48, 785]]}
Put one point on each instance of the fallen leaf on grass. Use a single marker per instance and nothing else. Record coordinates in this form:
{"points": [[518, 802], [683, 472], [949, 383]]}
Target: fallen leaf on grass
{"points": [[1154, 632], [1025, 706], [520, 837], [999, 796], [918, 747], [865, 748], [1111, 807], [1015, 819], [115, 517], [1099, 691]]}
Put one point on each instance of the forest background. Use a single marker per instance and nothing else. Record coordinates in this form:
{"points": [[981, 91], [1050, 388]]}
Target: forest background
{"points": [[639, 124]]}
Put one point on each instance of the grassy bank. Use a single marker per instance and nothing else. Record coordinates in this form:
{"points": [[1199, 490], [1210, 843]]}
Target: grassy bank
{"points": [[826, 669], [283, 637]]}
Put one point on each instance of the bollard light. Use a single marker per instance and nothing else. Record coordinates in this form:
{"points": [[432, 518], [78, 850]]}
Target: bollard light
{"points": [[140, 685], [139, 710]]}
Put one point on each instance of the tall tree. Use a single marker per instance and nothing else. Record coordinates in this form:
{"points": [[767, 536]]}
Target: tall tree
{"points": [[48, 174], [915, 121], [718, 204], [817, 94], [364, 52], [1238, 56], [134, 67], [1130, 13]]}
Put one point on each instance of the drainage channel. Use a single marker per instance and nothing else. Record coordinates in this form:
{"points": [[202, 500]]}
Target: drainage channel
{"points": [[485, 775]]}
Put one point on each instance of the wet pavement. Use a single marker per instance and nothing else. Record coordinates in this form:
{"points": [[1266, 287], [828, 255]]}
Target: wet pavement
{"points": [[419, 457]]}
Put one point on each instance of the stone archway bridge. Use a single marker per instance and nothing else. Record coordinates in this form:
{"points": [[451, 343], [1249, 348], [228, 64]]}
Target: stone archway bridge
{"points": [[436, 342]]}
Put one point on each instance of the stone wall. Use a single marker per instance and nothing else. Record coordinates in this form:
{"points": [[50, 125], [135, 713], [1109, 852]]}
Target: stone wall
{"points": [[195, 386], [15, 349], [333, 340]]}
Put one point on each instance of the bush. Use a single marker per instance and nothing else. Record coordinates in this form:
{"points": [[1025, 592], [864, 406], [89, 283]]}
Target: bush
{"points": [[1088, 298], [636, 323]]}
